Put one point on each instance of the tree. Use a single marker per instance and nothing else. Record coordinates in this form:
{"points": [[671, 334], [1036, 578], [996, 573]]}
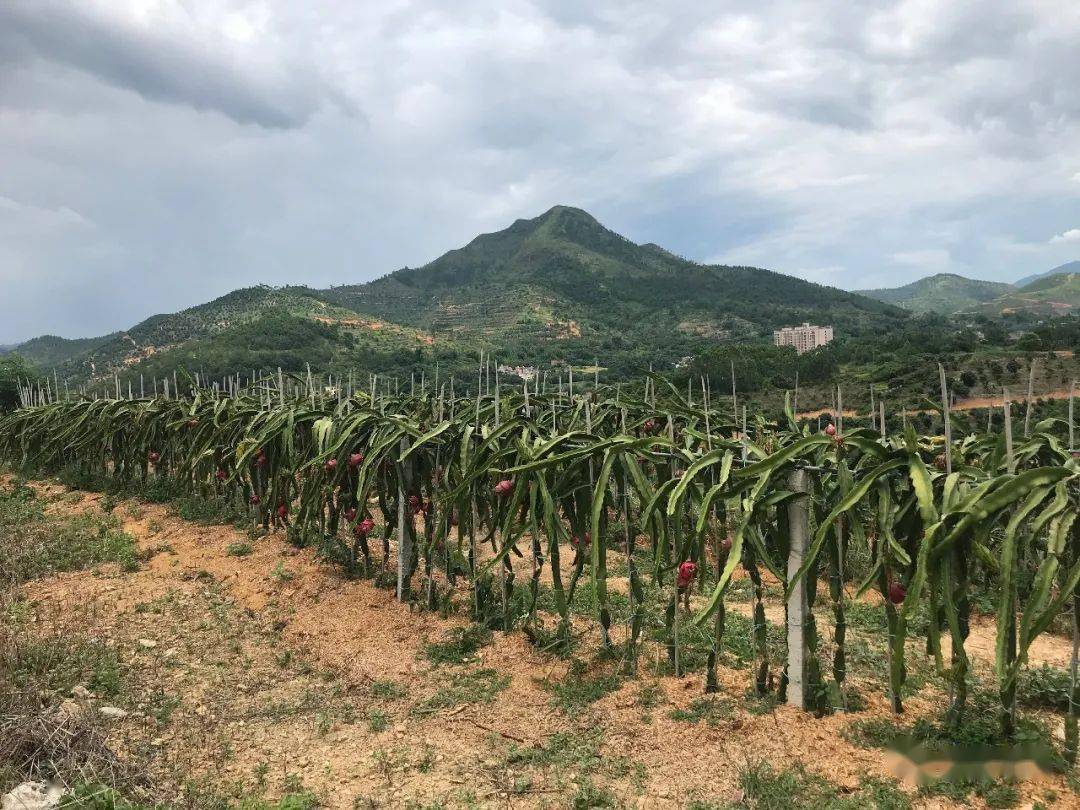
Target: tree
{"points": [[12, 369], [1029, 342]]}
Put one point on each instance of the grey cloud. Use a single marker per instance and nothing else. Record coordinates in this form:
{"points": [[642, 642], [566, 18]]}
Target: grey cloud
{"points": [[178, 71], [818, 137]]}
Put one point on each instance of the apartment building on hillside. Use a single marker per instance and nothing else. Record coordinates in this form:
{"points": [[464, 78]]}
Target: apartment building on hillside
{"points": [[804, 337]]}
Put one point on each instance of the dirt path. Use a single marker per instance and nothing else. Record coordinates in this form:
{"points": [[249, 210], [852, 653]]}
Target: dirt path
{"points": [[969, 404], [214, 627]]}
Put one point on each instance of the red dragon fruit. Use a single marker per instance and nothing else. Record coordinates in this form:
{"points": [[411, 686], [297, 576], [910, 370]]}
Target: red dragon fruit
{"points": [[687, 570], [897, 593], [577, 542]]}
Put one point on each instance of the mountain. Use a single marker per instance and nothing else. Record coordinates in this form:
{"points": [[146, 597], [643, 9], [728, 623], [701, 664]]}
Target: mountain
{"points": [[1069, 267], [51, 350], [1057, 294], [563, 278], [944, 293], [560, 287]]}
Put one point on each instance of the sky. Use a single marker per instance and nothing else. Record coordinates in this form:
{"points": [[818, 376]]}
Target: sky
{"points": [[155, 154]]}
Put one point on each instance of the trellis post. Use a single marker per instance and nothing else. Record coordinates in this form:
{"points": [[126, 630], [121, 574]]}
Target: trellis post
{"points": [[797, 607], [404, 533]]}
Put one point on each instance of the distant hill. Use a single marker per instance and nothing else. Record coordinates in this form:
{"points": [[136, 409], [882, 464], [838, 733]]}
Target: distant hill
{"points": [[559, 287], [1057, 294], [50, 350], [255, 327], [944, 293], [1069, 267]]}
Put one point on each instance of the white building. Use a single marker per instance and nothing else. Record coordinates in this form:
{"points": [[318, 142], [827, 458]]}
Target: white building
{"points": [[804, 338]]}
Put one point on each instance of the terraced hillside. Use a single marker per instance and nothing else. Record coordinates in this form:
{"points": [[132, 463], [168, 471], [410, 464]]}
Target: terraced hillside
{"points": [[1058, 294]]}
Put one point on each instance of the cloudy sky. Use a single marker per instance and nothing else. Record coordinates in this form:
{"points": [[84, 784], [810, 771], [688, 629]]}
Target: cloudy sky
{"points": [[157, 153]]}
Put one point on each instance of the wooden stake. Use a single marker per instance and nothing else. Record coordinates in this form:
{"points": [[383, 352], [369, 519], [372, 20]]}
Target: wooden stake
{"points": [[734, 400], [1030, 399], [1007, 406], [404, 535], [948, 424], [1072, 390]]}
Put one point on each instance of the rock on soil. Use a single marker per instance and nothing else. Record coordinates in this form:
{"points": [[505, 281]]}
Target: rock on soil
{"points": [[33, 796]]}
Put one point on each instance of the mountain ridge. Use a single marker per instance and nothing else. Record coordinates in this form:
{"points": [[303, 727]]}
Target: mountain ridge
{"points": [[557, 287], [943, 293], [1048, 295], [1068, 267]]}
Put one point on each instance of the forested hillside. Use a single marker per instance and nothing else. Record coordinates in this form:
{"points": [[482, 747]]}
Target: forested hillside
{"points": [[554, 289]]}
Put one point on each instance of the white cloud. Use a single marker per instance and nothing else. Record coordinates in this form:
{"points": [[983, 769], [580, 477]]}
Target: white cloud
{"points": [[1071, 236]]}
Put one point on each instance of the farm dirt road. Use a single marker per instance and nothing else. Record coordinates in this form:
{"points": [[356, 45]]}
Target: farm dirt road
{"points": [[969, 404]]}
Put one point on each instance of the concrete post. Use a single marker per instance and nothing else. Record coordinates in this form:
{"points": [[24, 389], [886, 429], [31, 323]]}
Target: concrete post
{"points": [[404, 533], [797, 609]]}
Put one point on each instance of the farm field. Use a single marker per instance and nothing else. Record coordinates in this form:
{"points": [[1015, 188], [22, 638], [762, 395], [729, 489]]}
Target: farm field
{"points": [[266, 674], [297, 596], [540, 405]]}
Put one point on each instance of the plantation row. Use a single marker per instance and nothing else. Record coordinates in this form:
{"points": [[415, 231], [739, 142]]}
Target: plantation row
{"points": [[475, 495]]}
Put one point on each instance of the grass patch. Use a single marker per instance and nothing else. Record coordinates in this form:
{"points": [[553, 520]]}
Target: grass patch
{"points": [[207, 511], [377, 720], [580, 688], [997, 795], [589, 796], [1046, 687], [562, 750], [241, 548], [33, 544], [766, 788], [980, 727], [59, 663], [458, 646], [650, 695], [708, 709], [198, 508], [470, 687], [281, 574], [388, 690], [89, 796]]}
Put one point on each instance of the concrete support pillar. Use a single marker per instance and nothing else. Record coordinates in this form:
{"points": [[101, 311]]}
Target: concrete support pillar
{"points": [[797, 609]]}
